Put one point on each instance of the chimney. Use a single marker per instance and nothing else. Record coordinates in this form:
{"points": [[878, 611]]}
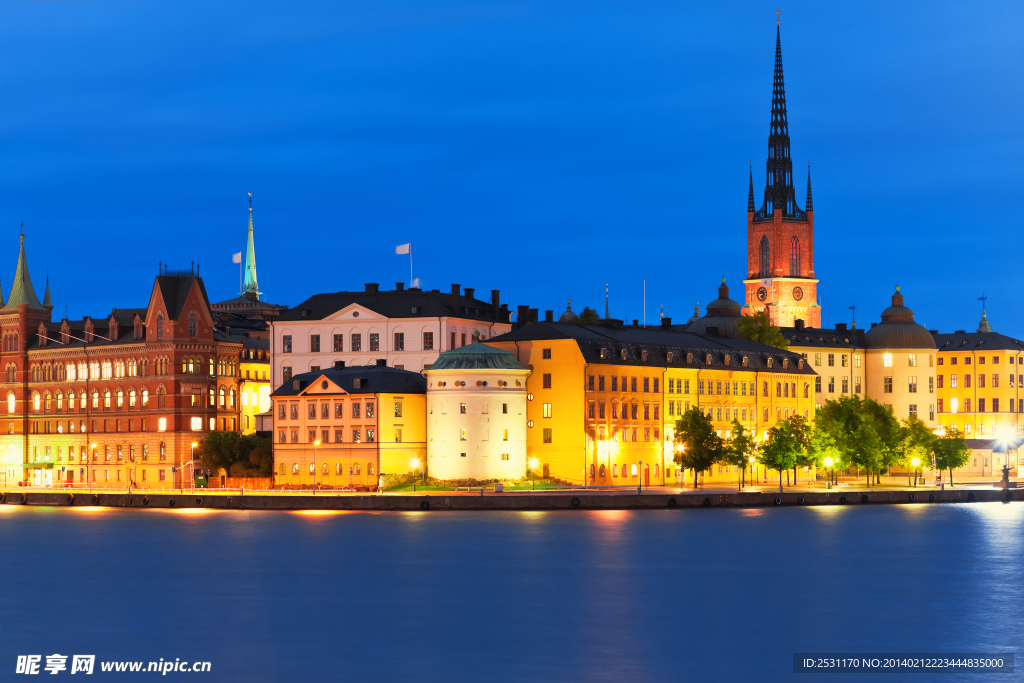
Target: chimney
{"points": [[470, 291], [798, 324], [873, 325], [636, 323], [399, 286], [666, 323], [522, 316], [495, 304], [840, 327], [533, 315], [382, 362], [456, 302], [549, 316], [371, 287], [505, 313], [295, 385]]}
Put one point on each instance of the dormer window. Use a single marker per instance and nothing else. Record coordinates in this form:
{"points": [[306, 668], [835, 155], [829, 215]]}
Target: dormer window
{"points": [[415, 309], [643, 355], [669, 356], [707, 360], [689, 358], [728, 359], [770, 359], [785, 363], [800, 363], [622, 354], [604, 354], [744, 361]]}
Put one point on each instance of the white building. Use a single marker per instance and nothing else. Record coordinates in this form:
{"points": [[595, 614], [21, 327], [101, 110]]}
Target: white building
{"points": [[406, 327], [476, 415]]}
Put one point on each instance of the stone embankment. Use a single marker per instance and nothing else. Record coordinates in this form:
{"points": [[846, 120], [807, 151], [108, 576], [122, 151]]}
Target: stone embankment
{"points": [[506, 501]]}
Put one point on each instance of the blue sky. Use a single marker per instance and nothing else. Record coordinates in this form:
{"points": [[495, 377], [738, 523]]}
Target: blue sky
{"points": [[540, 148]]}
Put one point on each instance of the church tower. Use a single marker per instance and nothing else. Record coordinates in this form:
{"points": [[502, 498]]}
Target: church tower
{"points": [[780, 235]]}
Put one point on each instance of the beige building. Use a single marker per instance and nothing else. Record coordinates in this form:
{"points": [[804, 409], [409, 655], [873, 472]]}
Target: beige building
{"points": [[476, 415], [406, 328]]}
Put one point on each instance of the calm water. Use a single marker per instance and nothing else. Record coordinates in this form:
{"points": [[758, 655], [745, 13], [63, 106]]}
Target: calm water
{"points": [[723, 595]]}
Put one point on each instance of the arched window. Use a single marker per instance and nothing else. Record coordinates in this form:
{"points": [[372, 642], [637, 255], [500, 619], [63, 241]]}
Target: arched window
{"points": [[163, 450], [337, 468], [311, 470], [145, 397], [325, 469], [231, 398], [295, 468], [120, 398], [765, 258], [369, 469], [131, 398], [10, 402], [778, 389], [159, 325], [221, 398], [83, 398], [36, 399], [161, 397], [356, 469], [48, 402], [601, 471], [60, 401], [193, 325], [794, 257]]}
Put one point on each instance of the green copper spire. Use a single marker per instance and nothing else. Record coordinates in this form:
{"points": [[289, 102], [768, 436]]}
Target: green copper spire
{"points": [[250, 285], [22, 292], [47, 301]]}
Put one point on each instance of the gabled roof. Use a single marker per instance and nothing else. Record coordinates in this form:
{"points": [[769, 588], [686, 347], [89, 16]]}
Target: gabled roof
{"points": [[390, 304], [126, 316], [976, 341], [375, 379], [174, 290], [657, 342]]}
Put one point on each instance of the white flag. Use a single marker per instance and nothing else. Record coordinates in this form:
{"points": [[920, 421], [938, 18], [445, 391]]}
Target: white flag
{"points": [[415, 283], [236, 258], [403, 248]]}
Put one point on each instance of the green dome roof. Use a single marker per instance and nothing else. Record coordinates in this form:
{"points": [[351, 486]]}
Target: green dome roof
{"points": [[476, 356]]}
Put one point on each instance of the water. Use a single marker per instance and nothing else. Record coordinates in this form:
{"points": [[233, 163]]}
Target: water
{"points": [[667, 595]]}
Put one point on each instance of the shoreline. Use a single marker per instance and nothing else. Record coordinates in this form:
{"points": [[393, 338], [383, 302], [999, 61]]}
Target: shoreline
{"points": [[568, 500]]}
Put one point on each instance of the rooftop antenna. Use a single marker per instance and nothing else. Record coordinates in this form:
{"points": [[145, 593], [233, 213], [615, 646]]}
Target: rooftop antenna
{"points": [[982, 299], [644, 316], [606, 300]]}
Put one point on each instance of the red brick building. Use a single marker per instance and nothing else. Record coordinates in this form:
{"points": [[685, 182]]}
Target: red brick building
{"points": [[109, 402], [780, 235]]}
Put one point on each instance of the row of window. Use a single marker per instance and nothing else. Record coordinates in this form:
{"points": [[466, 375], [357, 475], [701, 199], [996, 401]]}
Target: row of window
{"points": [[845, 359], [339, 469], [621, 435], [630, 411], [46, 402], [108, 475], [911, 360], [953, 360], [955, 405], [969, 430], [357, 410], [356, 342], [69, 426], [106, 454], [650, 384], [981, 380], [615, 470], [324, 435]]}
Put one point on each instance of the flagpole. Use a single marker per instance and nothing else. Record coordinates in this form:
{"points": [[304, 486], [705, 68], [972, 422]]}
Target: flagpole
{"points": [[410, 265]]}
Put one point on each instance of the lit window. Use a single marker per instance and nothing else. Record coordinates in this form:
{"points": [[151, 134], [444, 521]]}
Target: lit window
{"points": [[197, 424], [462, 435], [952, 405], [161, 424], [887, 360], [912, 362], [547, 410]]}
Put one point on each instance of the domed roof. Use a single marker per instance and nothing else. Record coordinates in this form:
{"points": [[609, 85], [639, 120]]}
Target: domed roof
{"points": [[696, 314], [476, 356], [898, 329], [723, 313], [568, 316]]}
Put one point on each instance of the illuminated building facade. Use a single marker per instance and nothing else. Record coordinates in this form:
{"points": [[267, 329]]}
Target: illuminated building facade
{"points": [[111, 402]]}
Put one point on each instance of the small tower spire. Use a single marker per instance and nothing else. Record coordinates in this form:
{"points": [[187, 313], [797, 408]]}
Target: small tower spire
{"points": [[853, 316], [983, 326], [250, 288], [809, 205], [750, 192], [22, 291], [47, 302]]}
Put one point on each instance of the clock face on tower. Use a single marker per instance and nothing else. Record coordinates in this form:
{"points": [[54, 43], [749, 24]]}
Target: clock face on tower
{"points": [[762, 293], [798, 294]]}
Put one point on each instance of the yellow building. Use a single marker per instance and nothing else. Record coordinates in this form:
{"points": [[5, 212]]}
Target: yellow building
{"points": [[602, 399], [342, 428], [254, 380]]}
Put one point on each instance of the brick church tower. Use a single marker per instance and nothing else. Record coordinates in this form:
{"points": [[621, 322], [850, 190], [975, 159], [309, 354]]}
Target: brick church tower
{"points": [[780, 235]]}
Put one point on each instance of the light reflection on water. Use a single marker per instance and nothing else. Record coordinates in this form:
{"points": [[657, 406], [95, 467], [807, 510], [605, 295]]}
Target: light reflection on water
{"points": [[443, 595]]}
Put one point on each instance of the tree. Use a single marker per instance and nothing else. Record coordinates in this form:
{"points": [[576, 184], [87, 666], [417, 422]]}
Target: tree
{"points": [[759, 328], [951, 451], [916, 441], [822, 445], [802, 431], [240, 456], [864, 432], [701, 447], [887, 428], [784, 445], [740, 448], [589, 316]]}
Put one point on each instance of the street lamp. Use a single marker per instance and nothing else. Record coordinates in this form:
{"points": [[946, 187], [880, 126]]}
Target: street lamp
{"points": [[88, 466], [828, 464], [315, 444], [415, 464], [751, 460], [192, 464], [915, 462], [532, 462], [639, 476]]}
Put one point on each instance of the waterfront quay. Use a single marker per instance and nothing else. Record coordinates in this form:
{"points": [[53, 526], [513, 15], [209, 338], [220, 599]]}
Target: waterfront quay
{"points": [[524, 501]]}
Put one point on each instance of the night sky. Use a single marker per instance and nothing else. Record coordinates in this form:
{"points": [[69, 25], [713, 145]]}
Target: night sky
{"points": [[539, 148]]}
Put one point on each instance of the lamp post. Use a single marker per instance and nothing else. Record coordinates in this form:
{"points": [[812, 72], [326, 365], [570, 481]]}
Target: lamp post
{"points": [[915, 462], [750, 459], [315, 444], [415, 464], [192, 465], [532, 462], [88, 466], [828, 464], [639, 476]]}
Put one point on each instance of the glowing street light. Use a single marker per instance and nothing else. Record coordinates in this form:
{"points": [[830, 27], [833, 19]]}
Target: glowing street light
{"points": [[828, 463], [533, 463], [192, 465], [88, 466], [315, 444], [415, 464], [916, 462]]}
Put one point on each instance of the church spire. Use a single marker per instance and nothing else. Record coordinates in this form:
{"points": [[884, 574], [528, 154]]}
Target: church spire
{"points": [[47, 301], [250, 288], [779, 192], [983, 326], [809, 205], [750, 192], [22, 291]]}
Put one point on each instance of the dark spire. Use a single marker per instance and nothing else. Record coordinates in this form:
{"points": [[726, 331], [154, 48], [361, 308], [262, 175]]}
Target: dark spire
{"points": [[809, 205], [779, 181], [750, 192]]}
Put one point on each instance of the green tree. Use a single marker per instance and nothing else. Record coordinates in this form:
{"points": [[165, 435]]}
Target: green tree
{"points": [[589, 316], [784, 446], [823, 445], [916, 441], [887, 428], [802, 431], [864, 432], [700, 446], [740, 447], [240, 456], [951, 451], [759, 328]]}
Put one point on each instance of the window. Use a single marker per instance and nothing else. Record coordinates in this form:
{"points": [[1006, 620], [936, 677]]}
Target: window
{"points": [[547, 380], [615, 382], [856, 385], [981, 405], [600, 383], [357, 342], [314, 343], [463, 339], [912, 362], [831, 385], [913, 410], [399, 341], [686, 387], [981, 380], [504, 456], [547, 409], [193, 325], [912, 384], [545, 354], [504, 409], [374, 341], [844, 360], [339, 343], [846, 385], [462, 435], [504, 435], [938, 382], [856, 360], [547, 435], [887, 385], [887, 360], [355, 410], [590, 383], [952, 381], [995, 405], [831, 359], [817, 360], [286, 344], [632, 384], [995, 381], [398, 435], [647, 384], [462, 408], [159, 327], [428, 341]]}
